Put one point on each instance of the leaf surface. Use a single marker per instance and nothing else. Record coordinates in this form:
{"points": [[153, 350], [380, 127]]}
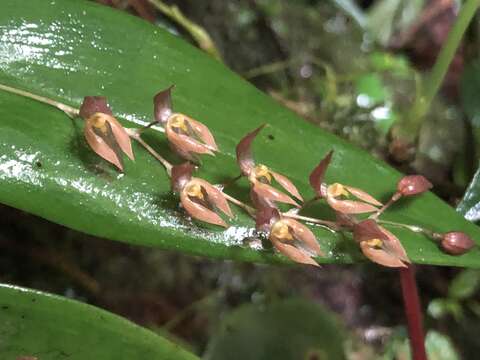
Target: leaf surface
{"points": [[68, 49], [50, 327]]}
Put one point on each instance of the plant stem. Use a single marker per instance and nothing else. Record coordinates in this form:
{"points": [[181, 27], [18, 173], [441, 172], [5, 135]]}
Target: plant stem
{"points": [[199, 34], [250, 210], [70, 111], [413, 313], [133, 133], [231, 181], [149, 125], [448, 51], [329, 225], [380, 211], [423, 101], [413, 228], [304, 205]]}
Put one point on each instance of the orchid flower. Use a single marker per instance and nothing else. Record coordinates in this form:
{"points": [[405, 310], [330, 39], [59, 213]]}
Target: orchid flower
{"points": [[412, 185], [456, 243], [337, 194], [288, 236], [105, 135], [409, 185], [379, 244], [199, 198], [187, 137], [261, 176]]}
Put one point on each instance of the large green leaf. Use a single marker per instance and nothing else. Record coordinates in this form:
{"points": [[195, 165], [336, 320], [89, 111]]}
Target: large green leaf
{"points": [[67, 49], [47, 327]]}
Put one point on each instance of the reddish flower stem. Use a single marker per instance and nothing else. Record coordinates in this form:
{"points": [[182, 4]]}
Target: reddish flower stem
{"points": [[413, 313]]}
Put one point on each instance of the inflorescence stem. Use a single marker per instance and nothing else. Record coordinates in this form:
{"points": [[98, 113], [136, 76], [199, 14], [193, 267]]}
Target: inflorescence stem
{"points": [[250, 210], [413, 312], [413, 228], [135, 135], [70, 111], [393, 199]]}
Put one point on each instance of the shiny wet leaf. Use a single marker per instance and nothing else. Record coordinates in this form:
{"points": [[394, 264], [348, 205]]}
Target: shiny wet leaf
{"points": [[68, 49]]}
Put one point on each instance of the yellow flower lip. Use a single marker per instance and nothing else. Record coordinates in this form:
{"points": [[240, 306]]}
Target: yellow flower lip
{"points": [[262, 171], [281, 231], [194, 190], [336, 190], [376, 243], [178, 121], [99, 122]]}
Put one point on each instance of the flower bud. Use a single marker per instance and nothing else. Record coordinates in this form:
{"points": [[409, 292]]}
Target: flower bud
{"points": [[413, 184], [456, 243]]}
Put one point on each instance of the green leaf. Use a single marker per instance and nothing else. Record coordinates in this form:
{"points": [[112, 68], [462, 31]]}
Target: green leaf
{"points": [[290, 329], [437, 345], [470, 204], [465, 284], [68, 49], [51, 327], [438, 308], [440, 347]]}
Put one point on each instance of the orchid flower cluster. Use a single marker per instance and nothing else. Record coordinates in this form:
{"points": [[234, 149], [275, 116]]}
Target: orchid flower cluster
{"points": [[206, 202]]}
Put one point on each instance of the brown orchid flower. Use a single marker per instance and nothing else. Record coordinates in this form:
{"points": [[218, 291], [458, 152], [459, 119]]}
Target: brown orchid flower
{"points": [[407, 186], [288, 236], [105, 135], [187, 137], [260, 176], [337, 194], [412, 185], [379, 244], [456, 243], [199, 198]]}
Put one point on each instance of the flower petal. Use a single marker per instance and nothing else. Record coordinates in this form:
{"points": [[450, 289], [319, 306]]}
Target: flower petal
{"points": [[413, 184], [318, 174], [162, 105], [186, 143], [304, 235], [184, 154], [215, 196], [368, 230], [293, 253], [393, 246], [121, 136], [101, 147], [362, 195], [265, 217], [269, 193], [181, 175], [345, 220], [390, 247], [350, 206], [244, 152], [380, 256], [94, 104], [200, 212], [203, 133], [286, 184]]}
